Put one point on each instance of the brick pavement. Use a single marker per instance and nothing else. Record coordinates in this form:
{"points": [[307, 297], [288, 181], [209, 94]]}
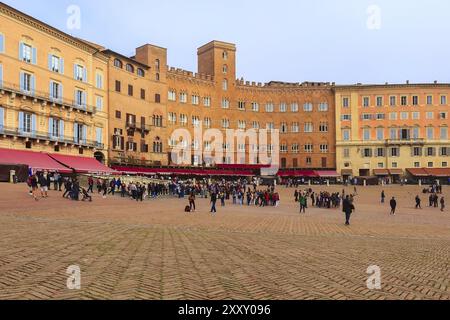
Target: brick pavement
{"points": [[129, 250]]}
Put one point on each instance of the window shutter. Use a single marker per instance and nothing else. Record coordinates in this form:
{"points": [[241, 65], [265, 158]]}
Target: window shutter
{"points": [[22, 82], [21, 51], [33, 123], [1, 75], [85, 75], [61, 129], [21, 118], [2, 115], [75, 132], [50, 127], [2, 43], [83, 100], [84, 134], [61, 67], [34, 58], [74, 71], [99, 135], [61, 93], [49, 62], [50, 91], [122, 143], [33, 83]]}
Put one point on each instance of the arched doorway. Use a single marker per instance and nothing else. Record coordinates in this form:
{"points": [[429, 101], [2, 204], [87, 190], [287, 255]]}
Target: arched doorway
{"points": [[100, 157]]}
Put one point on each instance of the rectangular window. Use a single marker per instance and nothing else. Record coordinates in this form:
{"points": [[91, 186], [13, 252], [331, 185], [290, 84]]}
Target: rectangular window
{"points": [[444, 133], [207, 101], [346, 117], [143, 94], [443, 100], [283, 107], [27, 53], [416, 115], [430, 115], [269, 107], [55, 63], [404, 100], [79, 72], [99, 103], [415, 100], [118, 86], [183, 97], [346, 153], [366, 102], [157, 98], [241, 105], [295, 127], [393, 116], [395, 152], [381, 152], [346, 135], [309, 148], [366, 134], [345, 102], [27, 82], [55, 91], [430, 133], [294, 107], [130, 90], [380, 134], [404, 115], [429, 100], [392, 101], [255, 107], [99, 81], [379, 101]]}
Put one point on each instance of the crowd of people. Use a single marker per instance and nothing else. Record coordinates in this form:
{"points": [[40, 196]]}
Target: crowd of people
{"points": [[238, 192]]}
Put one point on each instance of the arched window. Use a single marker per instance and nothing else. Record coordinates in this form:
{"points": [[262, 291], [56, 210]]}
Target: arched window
{"points": [[130, 68], [225, 55], [140, 72], [225, 69], [118, 63], [157, 64]]}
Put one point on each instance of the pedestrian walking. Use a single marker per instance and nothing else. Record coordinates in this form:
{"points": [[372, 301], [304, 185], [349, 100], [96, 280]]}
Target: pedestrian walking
{"points": [[393, 204], [347, 208]]}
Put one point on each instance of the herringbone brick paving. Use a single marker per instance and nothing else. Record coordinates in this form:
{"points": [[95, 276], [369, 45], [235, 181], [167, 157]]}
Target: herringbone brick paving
{"points": [[152, 250]]}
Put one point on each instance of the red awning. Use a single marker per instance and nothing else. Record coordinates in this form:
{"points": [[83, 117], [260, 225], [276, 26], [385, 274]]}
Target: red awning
{"points": [[438, 172], [395, 172], [243, 166], [381, 172], [418, 172], [328, 174], [184, 171], [298, 173], [82, 164], [34, 160]]}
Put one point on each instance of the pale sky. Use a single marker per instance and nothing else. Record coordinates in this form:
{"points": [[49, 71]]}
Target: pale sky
{"points": [[283, 40]]}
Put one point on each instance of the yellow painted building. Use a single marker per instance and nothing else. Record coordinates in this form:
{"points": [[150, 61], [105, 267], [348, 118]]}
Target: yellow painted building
{"points": [[53, 89], [387, 130]]}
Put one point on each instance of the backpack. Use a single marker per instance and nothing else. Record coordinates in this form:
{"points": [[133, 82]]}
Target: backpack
{"points": [[187, 209]]}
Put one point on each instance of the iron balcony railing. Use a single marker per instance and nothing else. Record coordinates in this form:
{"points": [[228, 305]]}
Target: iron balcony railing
{"points": [[39, 135], [405, 141], [138, 126], [45, 96]]}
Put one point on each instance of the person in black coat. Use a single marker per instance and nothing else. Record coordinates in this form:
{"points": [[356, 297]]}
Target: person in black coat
{"points": [[213, 202], [347, 208], [393, 204]]}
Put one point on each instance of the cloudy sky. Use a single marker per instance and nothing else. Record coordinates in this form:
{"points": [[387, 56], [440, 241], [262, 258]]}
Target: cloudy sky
{"points": [[346, 41]]}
